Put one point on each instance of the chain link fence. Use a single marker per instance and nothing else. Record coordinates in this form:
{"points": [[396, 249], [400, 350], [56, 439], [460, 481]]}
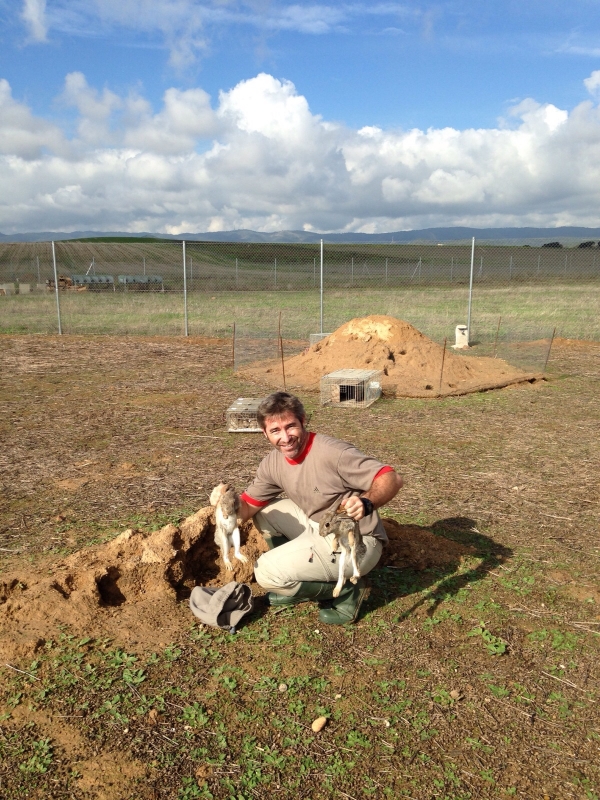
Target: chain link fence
{"points": [[520, 293]]}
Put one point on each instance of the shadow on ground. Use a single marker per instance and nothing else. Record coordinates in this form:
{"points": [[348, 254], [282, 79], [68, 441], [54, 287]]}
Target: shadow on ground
{"points": [[418, 558]]}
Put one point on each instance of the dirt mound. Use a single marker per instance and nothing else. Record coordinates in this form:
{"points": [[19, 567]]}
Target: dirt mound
{"points": [[413, 547], [130, 588], [411, 363]]}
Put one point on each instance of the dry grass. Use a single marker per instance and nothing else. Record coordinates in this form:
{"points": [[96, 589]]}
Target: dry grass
{"points": [[528, 312]]}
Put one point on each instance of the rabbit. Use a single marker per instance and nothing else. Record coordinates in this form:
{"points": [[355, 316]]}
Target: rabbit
{"points": [[347, 535], [227, 504]]}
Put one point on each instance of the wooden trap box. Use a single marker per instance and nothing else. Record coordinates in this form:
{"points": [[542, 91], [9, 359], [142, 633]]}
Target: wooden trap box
{"points": [[351, 387], [241, 416]]}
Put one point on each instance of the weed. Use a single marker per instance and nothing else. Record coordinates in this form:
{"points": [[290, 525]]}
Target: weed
{"points": [[494, 645]]}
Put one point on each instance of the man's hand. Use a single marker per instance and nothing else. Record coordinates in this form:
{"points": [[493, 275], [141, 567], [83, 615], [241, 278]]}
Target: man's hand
{"points": [[382, 490], [354, 508]]}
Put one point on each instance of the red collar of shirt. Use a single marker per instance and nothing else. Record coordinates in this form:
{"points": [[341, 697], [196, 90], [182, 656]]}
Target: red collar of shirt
{"points": [[300, 458]]}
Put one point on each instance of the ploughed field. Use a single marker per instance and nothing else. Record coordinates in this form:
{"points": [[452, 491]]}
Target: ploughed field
{"points": [[472, 674]]}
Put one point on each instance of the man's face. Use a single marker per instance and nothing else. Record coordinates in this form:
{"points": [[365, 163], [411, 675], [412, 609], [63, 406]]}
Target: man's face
{"points": [[287, 433]]}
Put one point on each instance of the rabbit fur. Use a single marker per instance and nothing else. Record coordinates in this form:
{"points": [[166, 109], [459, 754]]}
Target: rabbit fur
{"points": [[347, 535], [226, 502]]}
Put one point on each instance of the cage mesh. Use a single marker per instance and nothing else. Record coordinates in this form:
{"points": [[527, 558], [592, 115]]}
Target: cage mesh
{"points": [[358, 388]]}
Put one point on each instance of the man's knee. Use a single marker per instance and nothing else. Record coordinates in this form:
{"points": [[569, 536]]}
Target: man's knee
{"points": [[266, 573]]}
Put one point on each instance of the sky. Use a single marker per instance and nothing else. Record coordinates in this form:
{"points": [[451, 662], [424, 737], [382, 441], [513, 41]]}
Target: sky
{"points": [[172, 116]]}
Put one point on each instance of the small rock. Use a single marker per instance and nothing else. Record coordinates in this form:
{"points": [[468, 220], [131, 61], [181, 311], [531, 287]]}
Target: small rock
{"points": [[282, 687], [319, 724], [456, 695], [338, 697]]}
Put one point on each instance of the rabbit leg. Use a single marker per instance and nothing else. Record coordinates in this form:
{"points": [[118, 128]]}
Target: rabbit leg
{"points": [[235, 537], [222, 541], [341, 577], [352, 538]]}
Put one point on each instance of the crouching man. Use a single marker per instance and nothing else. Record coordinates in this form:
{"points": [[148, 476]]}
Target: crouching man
{"points": [[317, 473]]}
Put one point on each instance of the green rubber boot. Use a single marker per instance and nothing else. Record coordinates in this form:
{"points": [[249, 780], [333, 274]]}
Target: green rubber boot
{"points": [[346, 607], [309, 590]]}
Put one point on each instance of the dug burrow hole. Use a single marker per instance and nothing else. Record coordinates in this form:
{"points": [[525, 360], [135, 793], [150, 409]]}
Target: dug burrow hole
{"points": [[108, 588], [66, 587]]}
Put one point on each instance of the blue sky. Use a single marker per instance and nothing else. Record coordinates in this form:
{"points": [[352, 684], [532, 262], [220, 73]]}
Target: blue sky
{"points": [[170, 115]]}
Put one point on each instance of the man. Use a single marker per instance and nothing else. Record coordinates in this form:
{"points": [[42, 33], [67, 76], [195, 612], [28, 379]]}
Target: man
{"points": [[317, 473]]}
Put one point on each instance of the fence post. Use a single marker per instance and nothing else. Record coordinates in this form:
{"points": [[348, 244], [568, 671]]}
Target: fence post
{"points": [[471, 291], [56, 290], [185, 309], [321, 285]]}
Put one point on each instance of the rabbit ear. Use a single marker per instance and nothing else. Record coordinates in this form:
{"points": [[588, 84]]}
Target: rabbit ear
{"points": [[217, 493]]}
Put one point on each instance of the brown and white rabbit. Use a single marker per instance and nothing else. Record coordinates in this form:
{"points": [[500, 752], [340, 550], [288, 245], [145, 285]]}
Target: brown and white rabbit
{"points": [[347, 536], [227, 504]]}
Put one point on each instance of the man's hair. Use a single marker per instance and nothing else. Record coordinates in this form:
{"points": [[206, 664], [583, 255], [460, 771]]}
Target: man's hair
{"points": [[278, 404]]}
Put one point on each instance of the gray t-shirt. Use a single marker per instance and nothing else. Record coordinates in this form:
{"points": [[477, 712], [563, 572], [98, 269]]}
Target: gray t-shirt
{"points": [[326, 472]]}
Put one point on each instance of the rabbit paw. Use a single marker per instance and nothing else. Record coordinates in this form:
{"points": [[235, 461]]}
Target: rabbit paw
{"points": [[241, 557]]}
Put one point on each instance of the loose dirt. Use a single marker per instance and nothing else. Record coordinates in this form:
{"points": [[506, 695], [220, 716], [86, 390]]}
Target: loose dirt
{"points": [[134, 588], [412, 364]]}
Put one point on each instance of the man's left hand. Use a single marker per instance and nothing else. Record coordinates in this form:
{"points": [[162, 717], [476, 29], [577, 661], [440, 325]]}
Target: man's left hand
{"points": [[354, 508]]}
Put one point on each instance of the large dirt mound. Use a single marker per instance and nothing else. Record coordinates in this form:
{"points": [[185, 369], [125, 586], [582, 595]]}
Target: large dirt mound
{"points": [[130, 588], [411, 363]]}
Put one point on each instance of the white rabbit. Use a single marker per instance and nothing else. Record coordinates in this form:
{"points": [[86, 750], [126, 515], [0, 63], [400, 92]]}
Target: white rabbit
{"points": [[227, 504], [347, 535]]}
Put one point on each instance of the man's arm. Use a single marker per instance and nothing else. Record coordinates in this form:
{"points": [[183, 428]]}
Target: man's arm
{"points": [[382, 490], [247, 511]]}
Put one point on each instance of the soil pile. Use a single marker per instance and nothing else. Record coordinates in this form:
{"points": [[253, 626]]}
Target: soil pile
{"points": [[132, 588], [411, 363]]}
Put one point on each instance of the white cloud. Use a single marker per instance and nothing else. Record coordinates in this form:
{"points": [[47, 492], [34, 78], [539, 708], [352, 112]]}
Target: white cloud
{"points": [[592, 84], [34, 16], [22, 135], [261, 159]]}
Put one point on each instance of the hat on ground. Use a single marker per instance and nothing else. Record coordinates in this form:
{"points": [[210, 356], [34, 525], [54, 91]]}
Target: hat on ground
{"points": [[222, 606]]}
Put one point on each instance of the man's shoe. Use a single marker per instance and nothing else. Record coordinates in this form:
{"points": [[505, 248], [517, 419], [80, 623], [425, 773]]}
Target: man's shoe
{"points": [[309, 590], [346, 607]]}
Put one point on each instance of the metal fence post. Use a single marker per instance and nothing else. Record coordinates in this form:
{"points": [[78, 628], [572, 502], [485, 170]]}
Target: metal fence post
{"points": [[185, 308], [470, 291], [56, 290], [321, 285]]}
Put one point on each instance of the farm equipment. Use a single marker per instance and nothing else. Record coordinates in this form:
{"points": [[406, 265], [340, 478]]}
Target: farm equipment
{"points": [[142, 282], [65, 284], [93, 282]]}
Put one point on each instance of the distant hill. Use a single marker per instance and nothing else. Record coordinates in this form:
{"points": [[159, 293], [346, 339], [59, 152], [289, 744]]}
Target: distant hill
{"points": [[533, 236]]}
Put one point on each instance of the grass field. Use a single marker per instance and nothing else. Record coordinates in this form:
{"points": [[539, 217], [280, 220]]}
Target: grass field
{"points": [[478, 680], [528, 312]]}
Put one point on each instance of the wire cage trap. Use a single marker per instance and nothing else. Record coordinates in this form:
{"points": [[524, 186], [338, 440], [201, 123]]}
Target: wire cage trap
{"points": [[241, 416], [359, 388]]}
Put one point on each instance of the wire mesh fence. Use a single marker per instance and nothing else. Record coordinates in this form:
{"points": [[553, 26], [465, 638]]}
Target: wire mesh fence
{"points": [[521, 293], [236, 266]]}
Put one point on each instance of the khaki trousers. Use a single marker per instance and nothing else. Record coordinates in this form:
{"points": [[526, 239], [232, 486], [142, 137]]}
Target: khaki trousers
{"points": [[306, 556]]}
